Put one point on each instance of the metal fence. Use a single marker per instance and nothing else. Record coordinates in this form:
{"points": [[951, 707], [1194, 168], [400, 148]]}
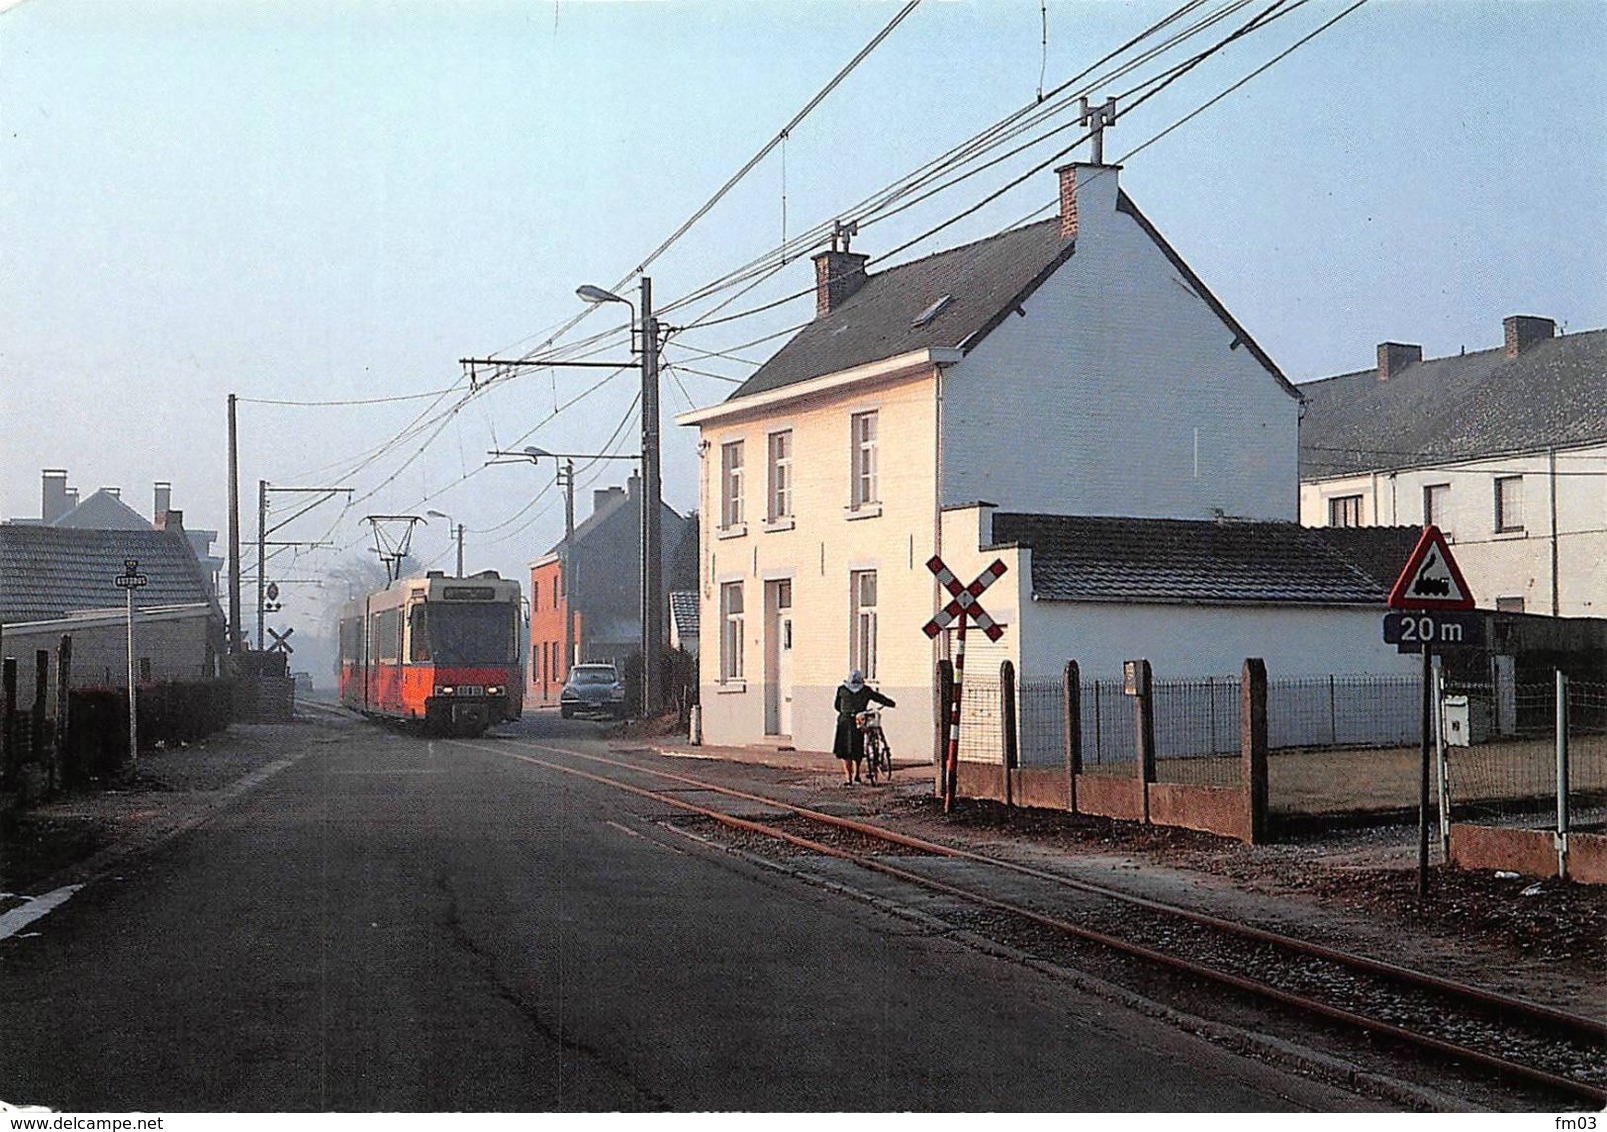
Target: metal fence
{"points": [[1344, 711], [1512, 776], [1041, 725], [1197, 731], [981, 723]]}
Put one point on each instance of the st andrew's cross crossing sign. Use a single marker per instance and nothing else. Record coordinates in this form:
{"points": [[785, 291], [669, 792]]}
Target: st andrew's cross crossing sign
{"points": [[963, 607], [965, 604]]}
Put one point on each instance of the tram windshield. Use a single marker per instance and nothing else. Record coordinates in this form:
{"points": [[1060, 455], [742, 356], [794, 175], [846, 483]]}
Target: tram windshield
{"points": [[467, 634]]}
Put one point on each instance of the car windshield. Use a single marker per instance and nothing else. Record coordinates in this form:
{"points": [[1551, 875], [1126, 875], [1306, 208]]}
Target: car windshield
{"points": [[593, 676]]}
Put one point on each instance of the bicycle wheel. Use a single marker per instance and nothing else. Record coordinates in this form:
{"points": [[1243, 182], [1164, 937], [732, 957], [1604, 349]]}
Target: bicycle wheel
{"points": [[882, 758]]}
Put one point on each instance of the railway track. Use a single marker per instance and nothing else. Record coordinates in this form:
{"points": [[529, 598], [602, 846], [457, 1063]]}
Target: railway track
{"points": [[1542, 1048]]}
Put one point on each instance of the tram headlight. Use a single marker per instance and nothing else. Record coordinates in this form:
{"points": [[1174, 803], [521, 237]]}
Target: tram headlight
{"points": [[446, 690], [495, 690]]}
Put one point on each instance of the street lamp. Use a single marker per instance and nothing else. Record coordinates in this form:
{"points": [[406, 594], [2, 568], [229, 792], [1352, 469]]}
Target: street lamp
{"points": [[569, 561], [652, 551], [449, 520]]}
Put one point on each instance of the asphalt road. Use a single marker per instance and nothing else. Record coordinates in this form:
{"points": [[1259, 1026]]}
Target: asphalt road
{"points": [[391, 924]]}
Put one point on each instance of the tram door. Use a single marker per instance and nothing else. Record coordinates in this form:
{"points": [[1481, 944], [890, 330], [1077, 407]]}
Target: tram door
{"points": [[778, 657]]}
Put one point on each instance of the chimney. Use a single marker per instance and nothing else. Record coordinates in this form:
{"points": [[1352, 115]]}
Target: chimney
{"points": [[601, 496], [1396, 356], [1524, 330], [114, 492], [169, 520], [54, 499], [1086, 192], [838, 274], [164, 498]]}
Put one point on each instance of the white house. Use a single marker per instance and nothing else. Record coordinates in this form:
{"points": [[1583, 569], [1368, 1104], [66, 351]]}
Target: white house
{"points": [[1072, 366], [1505, 450]]}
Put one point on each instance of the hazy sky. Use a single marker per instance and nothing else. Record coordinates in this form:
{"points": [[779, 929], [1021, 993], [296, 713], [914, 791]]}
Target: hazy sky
{"points": [[311, 201]]}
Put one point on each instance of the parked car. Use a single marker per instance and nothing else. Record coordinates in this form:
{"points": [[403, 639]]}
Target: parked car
{"points": [[594, 689]]}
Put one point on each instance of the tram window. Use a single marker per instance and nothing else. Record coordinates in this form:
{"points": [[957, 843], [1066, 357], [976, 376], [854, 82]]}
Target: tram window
{"points": [[418, 635], [385, 636], [468, 633]]}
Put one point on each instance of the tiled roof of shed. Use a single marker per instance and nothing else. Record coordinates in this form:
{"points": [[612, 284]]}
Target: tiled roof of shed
{"points": [[983, 280], [48, 572], [684, 611], [1097, 558], [1554, 393], [1379, 552]]}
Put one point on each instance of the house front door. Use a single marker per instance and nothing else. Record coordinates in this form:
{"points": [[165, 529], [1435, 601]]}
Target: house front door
{"points": [[778, 658]]}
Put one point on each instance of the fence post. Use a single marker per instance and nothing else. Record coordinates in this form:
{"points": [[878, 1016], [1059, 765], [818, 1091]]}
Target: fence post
{"points": [[9, 758], [36, 717], [1140, 682], [1007, 725], [941, 707], [1071, 719], [1253, 743], [64, 683], [1562, 774]]}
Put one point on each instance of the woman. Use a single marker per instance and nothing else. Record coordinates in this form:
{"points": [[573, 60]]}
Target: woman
{"points": [[853, 697]]}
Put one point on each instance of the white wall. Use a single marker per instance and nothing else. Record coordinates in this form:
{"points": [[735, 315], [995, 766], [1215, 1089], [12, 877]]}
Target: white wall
{"points": [[1184, 642], [1118, 394], [1500, 564]]}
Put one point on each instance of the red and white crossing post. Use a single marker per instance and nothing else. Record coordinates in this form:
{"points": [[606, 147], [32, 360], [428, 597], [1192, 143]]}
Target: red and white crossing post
{"points": [[963, 607]]}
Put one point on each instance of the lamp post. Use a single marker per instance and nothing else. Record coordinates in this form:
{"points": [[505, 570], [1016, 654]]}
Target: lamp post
{"points": [[449, 520], [569, 561], [652, 565]]}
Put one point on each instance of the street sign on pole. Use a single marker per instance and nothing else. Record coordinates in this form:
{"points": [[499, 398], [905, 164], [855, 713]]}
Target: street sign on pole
{"points": [[957, 612], [1431, 590], [129, 581]]}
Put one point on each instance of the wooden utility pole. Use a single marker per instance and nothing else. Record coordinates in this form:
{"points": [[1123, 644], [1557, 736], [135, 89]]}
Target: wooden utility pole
{"points": [[234, 532], [652, 548]]}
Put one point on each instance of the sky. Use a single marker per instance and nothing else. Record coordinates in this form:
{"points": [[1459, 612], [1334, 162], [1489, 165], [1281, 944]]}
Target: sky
{"points": [[303, 202]]}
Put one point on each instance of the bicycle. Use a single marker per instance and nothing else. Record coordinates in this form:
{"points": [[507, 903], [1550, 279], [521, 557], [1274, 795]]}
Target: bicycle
{"points": [[878, 755]]}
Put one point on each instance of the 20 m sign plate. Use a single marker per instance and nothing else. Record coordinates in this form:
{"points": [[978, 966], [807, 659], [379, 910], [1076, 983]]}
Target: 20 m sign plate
{"points": [[1411, 630]]}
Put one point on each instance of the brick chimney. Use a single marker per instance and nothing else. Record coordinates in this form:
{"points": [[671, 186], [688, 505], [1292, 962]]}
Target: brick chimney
{"points": [[1086, 192], [838, 274], [55, 500], [1525, 330], [1396, 356], [164, 498]]}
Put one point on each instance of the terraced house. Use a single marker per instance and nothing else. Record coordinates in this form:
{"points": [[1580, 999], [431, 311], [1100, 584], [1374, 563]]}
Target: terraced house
{"points": [[1074, 366], [1505, 450]]}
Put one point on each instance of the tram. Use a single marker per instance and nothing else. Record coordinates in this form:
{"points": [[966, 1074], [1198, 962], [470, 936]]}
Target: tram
{"points": [[438, 652]]}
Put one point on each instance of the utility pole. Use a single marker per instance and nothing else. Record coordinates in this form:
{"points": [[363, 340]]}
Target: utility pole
{"points": [[652, 550], [234, 532], [262, 556], [566, 477]]}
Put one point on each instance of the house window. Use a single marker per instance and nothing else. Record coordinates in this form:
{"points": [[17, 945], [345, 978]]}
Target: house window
{"points": [[1344, 511], [780, 475], [1435, 498], [863, 488], [862, 626], [730, 631], [535, 593], [1509, 503], [731, 484]]}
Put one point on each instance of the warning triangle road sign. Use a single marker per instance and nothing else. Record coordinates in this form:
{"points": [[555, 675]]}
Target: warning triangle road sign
{"points": [[1431, 579]]}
